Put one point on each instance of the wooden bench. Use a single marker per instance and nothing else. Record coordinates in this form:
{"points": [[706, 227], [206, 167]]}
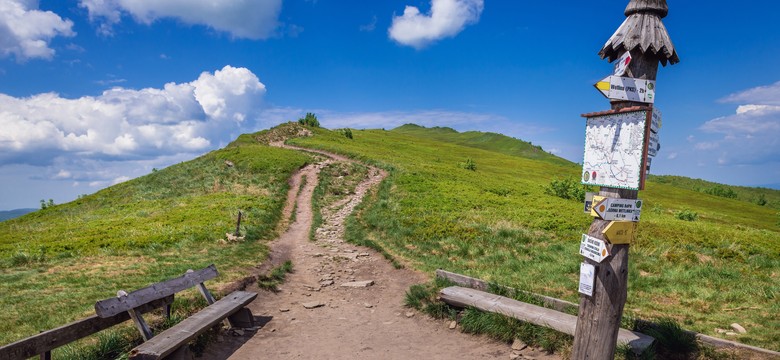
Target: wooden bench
{"points": [[230, 308]]}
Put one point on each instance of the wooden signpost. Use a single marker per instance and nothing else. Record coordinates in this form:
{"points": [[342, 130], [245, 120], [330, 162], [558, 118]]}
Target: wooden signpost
{"points": [[644, 35]]}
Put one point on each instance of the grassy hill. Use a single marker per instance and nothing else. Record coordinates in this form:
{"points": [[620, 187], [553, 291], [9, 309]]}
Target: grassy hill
{"points": [[492, 219], [55, 263], [756, 195], [483, 140], [498, 223]]}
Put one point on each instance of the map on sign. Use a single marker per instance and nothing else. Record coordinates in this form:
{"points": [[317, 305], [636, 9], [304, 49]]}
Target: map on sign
{"points": [[614, 150]]}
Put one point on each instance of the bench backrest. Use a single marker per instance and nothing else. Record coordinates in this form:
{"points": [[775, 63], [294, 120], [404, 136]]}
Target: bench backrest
{"points": [[112, 306]]}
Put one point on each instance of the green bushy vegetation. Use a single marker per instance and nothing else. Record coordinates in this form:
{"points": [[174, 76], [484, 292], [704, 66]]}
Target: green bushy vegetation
{"points": [[309, 120], [567, 188], [66, 257], [500, 225], [759, 196]]}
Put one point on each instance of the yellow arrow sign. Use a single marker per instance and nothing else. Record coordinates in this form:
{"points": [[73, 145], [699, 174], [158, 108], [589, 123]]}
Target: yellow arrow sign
{"points": [[596, 200], [620, 232]]}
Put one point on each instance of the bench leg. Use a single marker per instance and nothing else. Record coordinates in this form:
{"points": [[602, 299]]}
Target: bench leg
{"points": [[243, 318]]}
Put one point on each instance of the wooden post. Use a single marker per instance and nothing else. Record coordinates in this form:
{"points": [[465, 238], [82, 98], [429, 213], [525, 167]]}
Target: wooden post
{"points": [[599, 318], [238, 224]]}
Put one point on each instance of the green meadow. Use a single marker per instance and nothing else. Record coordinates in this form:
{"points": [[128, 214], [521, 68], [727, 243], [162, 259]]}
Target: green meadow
{"points": [[497, 222], [473, 203], [55, 263]]}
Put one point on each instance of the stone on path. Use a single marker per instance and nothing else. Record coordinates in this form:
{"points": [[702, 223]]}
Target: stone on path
{"points": [[738, 328], [409, 314], [313, 304], [284, 309], [453, 325], [358, 284], [518, 345]]}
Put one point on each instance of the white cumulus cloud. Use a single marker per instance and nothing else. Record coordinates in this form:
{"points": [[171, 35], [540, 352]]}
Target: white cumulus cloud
{"points": [[752, 134], [249, 19], [447, 18], [25, 31], [130, 124]]}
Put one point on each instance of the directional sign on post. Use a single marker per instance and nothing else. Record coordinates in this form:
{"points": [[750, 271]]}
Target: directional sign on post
{"points": [[593, 248], [612, 209], [655, 122], [621, 65], [623, 88], [653, 145], [620, 232], [587, 278]]}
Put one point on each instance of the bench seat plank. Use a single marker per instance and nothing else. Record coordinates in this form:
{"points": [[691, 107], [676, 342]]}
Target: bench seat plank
{"points": [[116, 305], [169, 340]]}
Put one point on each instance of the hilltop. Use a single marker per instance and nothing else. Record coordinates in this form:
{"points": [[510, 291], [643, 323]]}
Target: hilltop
{"points": [[483, 140]]}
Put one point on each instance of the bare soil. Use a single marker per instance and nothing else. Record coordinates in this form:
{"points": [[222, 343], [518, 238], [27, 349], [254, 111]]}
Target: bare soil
{"points": [[314, 315]]}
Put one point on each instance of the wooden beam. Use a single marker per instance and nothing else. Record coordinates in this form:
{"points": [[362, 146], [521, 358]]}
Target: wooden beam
{"points": [[565, 323], [169, 340], [66, 334], [474, 283], [113, 306]]}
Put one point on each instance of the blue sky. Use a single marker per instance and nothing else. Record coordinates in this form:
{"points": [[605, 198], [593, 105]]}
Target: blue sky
{"points": [[95, 92]]}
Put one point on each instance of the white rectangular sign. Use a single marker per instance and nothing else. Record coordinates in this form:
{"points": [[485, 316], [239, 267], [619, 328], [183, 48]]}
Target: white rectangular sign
{"points": [[624, 88], [587, 278], [593, 248], [612, 209]]}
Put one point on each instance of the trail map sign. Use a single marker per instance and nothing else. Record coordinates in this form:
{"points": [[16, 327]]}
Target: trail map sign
{"points": [[593, 248], [614, 150], [624, 88]]}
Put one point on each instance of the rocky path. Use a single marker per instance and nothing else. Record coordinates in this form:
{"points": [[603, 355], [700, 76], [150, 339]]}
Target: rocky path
{"points": [[343, 301]]}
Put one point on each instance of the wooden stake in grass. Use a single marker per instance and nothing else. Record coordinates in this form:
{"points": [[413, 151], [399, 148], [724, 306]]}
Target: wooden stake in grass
{"points": [[238, 224], [644, 34]]}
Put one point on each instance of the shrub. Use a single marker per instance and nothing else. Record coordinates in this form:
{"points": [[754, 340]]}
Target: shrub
{"points": [[46, 205], [469, 164], [761, 200], [687, 215], [347, 133], [721, 191], [567, 189], [309, 120]]}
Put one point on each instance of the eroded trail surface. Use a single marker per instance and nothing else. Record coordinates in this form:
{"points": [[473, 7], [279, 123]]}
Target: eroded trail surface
{"points": [[343, 301]]}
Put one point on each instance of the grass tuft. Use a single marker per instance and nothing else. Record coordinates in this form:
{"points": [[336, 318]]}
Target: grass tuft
{"points": [[275, 277]]}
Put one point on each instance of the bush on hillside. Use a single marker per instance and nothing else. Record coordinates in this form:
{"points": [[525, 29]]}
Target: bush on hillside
{"points": [[309, 120], [721, 191], [469, 164], [567, 189], [347, 133], [687, 215]]}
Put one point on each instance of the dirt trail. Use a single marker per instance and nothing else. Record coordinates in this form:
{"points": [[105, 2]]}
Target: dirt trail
{"points": [[344, 322]]}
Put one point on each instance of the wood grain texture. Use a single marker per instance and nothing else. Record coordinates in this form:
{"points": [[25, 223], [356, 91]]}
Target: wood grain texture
{"points": [[565, 323], [116, 305], [643, 30], [171, 339], [66, 334], [470, 282]]}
